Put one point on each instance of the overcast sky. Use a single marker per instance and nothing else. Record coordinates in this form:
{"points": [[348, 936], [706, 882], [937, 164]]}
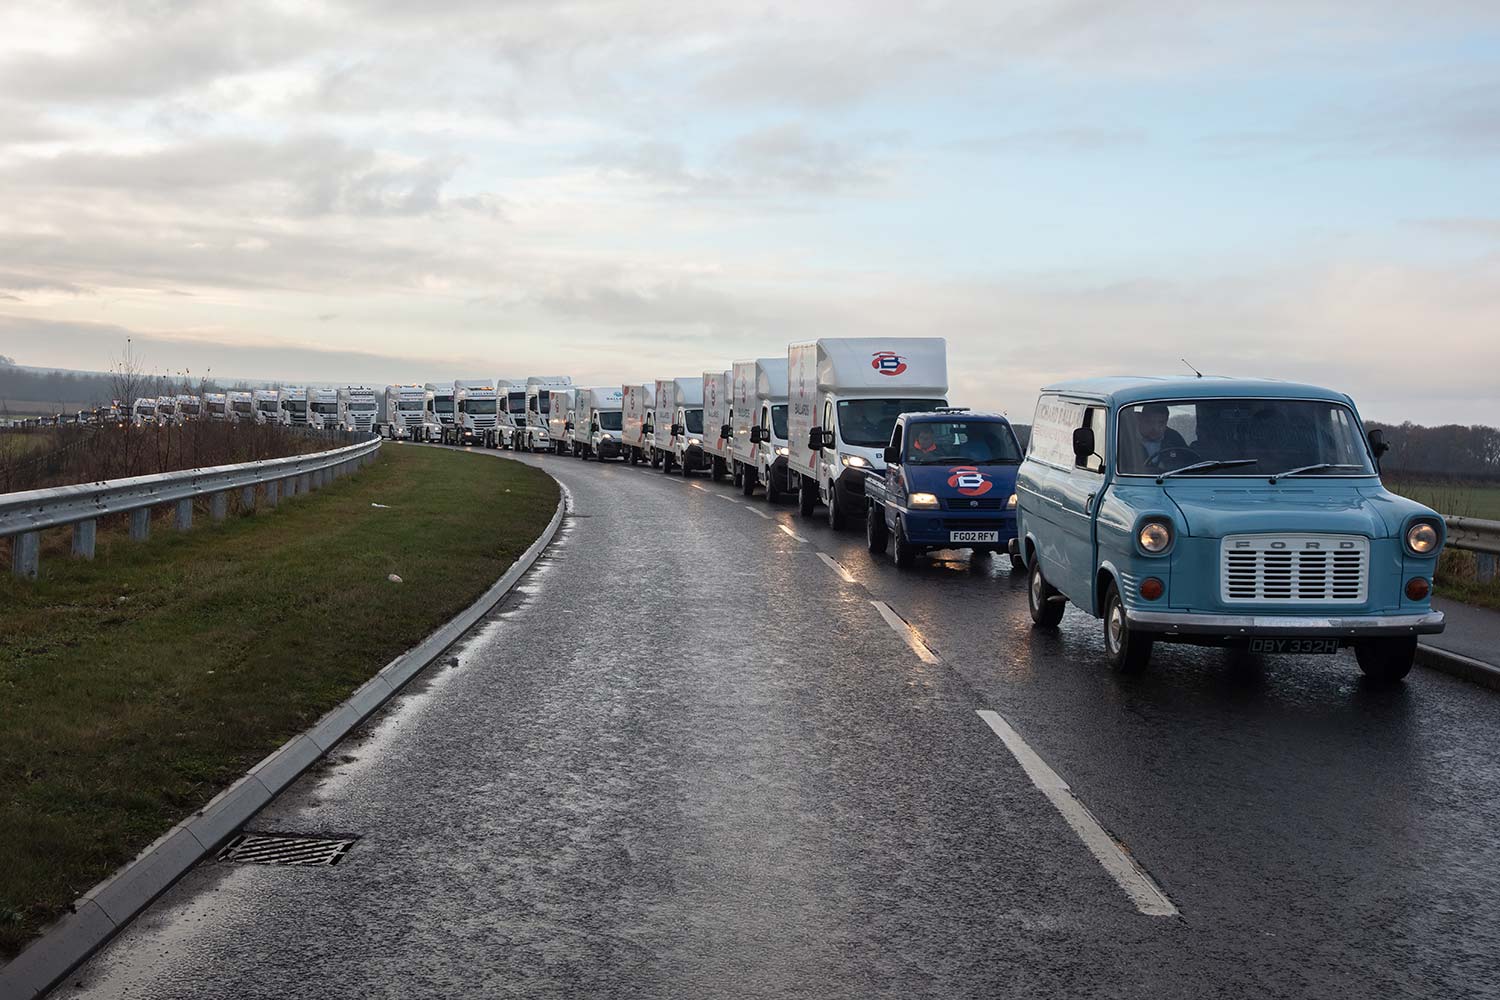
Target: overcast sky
{"points": [[624, 190]]}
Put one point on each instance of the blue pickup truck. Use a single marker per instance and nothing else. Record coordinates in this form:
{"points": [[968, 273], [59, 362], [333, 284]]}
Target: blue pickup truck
{"points": [[949, 483]]}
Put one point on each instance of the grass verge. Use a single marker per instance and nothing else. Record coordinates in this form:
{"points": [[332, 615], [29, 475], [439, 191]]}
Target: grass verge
{"points": [[136, 687]]}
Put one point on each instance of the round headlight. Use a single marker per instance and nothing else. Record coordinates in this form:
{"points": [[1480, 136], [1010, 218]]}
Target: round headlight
{"points": [[1155, 536], [1421, 538]]}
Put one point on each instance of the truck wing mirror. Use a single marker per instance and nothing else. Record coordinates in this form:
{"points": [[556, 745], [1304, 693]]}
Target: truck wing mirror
{"points": [[828, 441], [1083, 444], [815, 439], [724, 432], [677, 430], [891, 455], [567, 425], [755, 435], [646, 428]]}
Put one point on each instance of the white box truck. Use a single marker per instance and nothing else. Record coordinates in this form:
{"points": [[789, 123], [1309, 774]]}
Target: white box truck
{"points": [[560, 420], [166, 410], [538, 407], [323, 409], [242, 407], [597, 419], [678, 425], [636, 404], [718, 400], [759, 429], [408, 410], [357, 409], [216, 405], [476, 405], [294, 405], [844, 395], [267, 406]]}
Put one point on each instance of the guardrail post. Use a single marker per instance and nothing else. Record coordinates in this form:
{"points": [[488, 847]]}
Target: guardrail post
{"points": [[1484, 567], [273, 492], [140, 524], [247, 499], [291, 487], [83, 538], [305, 485], [25, 553], [184, 519], [218, 506]]}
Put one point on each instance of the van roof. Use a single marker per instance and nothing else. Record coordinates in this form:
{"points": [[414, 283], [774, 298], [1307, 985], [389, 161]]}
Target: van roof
{"points": [[1122, 389], [924, 416]]}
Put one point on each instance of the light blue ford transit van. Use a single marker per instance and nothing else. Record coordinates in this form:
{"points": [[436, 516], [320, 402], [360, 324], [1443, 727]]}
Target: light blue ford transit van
{"points": [[1226, 512]]}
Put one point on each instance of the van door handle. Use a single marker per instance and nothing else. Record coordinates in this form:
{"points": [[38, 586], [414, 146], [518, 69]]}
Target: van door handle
{"points": [[1088, 503]]}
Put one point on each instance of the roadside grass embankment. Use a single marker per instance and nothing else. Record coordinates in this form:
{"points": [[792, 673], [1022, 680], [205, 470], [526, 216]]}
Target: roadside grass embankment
{"points": [[136, 687], [1458, 571]]}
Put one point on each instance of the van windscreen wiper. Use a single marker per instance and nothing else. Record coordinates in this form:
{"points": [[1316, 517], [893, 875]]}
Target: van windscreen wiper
{"points": [[1321, 466], [1221, 463]]}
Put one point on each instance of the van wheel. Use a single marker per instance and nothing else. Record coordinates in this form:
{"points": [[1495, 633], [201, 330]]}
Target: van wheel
{"points": [[836, 518], [666, 464], [1017, 564], [655, 459], [807, 497], [1386, 661], [1045, 613], [1128, 649], [903, 552], [738, 476], [747, 482], [683, 468], [876, 532]]}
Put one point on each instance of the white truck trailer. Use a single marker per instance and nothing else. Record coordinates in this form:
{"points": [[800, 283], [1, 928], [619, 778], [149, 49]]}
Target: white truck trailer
{"points": [[476, 412], [560, 420], [636, 404], [408, 410], [323, 409], [844, 395], [216, 405], [143, 411], [759, 428], [294, 405], [534, 435], [242, 407], [678, 426], [718, 401], [357, 409], [597, 420], [267, 405]]}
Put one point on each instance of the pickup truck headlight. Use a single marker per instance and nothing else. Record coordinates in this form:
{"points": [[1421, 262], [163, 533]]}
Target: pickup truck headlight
{"points": [[784, 452], [1422, 538], [1011, 503], [853, 461], [1155, 536], [924, 501]]}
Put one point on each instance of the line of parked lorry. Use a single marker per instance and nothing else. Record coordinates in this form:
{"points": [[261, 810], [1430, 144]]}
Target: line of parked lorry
{"points": [[348, 408], [1242, 513]]}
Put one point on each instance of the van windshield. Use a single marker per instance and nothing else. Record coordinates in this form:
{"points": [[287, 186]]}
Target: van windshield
{"points": [[1270, 435], [975, 442], [778, 422], [867, 423], [609, 420]]}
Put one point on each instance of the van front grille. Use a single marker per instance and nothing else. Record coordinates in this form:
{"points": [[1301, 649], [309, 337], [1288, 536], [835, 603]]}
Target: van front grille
{"points": [[1295, 569]]}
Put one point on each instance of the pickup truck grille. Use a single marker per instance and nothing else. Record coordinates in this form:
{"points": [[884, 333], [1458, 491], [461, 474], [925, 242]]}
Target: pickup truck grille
{"points": [[974, 503], [1295, 569]]}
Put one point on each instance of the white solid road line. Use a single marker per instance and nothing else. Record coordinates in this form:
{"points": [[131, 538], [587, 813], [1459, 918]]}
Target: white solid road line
{"points": [[789, 531], [1143, 892], [905, 631], [697, 487], [758, 513], [725, 496], [838, 568]]}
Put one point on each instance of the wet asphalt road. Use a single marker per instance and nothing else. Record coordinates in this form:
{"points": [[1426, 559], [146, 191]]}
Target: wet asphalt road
{"points": [[689, 758]]}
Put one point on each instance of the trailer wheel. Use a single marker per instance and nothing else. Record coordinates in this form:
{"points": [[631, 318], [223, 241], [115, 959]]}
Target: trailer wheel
{"points": [[877, 534], [807, 497]]}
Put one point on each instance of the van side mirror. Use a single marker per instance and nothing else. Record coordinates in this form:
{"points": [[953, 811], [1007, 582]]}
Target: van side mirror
{"points": [[646, 428], [567, 425], [724, 432], [816, 439], [755, 435], [891, 455], [1378, 447], [1083, 444], [677, 430], [828, 441]]}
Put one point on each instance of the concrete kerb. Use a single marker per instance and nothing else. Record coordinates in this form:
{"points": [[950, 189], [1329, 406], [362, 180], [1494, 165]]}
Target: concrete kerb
{"points": [[107, 908], [1456, 664]]}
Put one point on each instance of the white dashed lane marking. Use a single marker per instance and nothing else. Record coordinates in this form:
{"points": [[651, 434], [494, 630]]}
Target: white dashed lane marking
{"points": [[834, 565], [1143, 892], [905, 631], [789, 531]]}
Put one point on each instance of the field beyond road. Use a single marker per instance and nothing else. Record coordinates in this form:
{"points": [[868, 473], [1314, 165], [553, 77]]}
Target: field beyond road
{"points": [[136, 687]]}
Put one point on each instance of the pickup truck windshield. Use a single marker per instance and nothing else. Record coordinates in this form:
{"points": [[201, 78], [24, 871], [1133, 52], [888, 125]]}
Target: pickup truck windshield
{"points": [[1262, 436], [694, 421], [972, 442], [479, 405], [610, 420], [867, 423], [778, 421]]}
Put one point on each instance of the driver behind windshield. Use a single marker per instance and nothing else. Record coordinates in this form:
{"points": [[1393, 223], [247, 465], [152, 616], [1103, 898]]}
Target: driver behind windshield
{"points": [[1156, 437], [973, 442]]}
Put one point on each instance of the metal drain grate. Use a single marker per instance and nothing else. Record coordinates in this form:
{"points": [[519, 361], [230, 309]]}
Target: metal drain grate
{"points": [[285, 849]]}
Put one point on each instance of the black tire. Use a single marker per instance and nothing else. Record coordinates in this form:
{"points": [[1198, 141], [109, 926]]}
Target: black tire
{"points": [[718, 470], [1044, 613], [807, 497], [747, 481], [1386, 661], [903, 552], [655, 459], [836, 518], [666, 464], [877, 534], [738, 475], [773, 493], [1128, 650]]}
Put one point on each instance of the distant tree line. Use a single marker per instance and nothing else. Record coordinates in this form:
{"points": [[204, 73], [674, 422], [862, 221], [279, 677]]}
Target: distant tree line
{"points": [[1451, 451], [66, 390]]}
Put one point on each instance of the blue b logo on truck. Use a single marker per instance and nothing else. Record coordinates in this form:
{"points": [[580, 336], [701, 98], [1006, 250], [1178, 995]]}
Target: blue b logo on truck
{"points": [[888, 363]]}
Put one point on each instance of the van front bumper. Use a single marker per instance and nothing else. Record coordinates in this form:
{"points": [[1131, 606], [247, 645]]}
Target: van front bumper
{"points": [[936, 527], [1230, 626]]}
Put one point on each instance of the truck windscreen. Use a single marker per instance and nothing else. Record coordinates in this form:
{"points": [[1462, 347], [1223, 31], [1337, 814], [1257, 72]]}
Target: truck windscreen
{"points": [[479, 406], [970, 442], [443, 404], [778, 421], [409, 405], [241, 406], [517, 402], [328, 408], [268, 406], [694, 421], [544, 404], [867, 423], [610, 420], [362, 407]]}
